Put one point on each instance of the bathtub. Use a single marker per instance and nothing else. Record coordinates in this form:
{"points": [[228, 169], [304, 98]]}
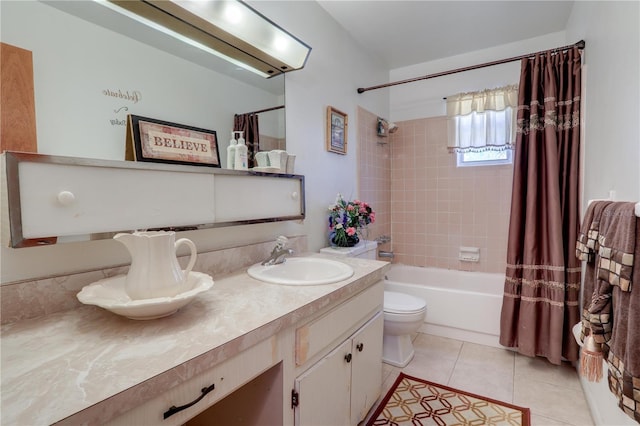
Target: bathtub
{"points": [[460, 305]]}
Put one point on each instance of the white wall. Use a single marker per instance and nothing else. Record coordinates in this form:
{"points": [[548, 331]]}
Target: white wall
{"points": [[336, 68], [612, 116], [424, 98], [66, 107], [611, 128]]}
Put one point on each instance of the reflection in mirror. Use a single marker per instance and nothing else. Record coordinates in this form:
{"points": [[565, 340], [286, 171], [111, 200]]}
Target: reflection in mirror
{"points": [[249, 128], [92, 69]]}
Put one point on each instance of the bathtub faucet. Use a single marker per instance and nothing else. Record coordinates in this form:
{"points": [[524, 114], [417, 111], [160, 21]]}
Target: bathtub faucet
{"points": [[386, 254], [382, 239], [279, 253]]}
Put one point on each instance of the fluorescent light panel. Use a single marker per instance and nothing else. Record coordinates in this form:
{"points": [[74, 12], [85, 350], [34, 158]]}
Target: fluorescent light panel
{"points": [[226, 28], [251, 27], [178, 36]]}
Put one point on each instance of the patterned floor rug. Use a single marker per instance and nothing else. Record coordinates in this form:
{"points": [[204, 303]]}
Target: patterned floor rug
{"points": [[413, 401]]}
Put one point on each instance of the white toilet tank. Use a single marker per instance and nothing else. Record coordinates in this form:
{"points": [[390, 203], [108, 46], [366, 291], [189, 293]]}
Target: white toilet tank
{"points": [[363, 250]]}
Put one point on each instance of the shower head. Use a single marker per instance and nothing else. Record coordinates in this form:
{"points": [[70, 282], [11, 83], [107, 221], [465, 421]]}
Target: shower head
{"points": [[392, 127]]}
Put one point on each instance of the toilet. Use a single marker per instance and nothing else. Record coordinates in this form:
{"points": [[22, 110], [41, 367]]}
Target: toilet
{"points": [[403, 313]]}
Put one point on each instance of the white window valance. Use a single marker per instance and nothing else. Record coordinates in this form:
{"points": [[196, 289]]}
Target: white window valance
{"points": [[481, 121]]}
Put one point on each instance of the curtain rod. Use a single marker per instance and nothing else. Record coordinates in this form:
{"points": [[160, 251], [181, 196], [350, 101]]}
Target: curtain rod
{"points": [[263, 110], [579, 45]]}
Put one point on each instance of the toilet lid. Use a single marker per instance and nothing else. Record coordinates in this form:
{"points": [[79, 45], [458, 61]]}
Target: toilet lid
{"points": [[395, 302]]}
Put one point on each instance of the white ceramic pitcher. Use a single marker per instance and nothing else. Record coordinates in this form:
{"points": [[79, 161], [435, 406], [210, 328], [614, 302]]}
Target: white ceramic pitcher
{"points": [[155, 271]]}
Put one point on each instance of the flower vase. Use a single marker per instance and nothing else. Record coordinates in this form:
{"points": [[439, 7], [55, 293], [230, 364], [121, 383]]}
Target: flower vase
{"points": [[351, 241]]}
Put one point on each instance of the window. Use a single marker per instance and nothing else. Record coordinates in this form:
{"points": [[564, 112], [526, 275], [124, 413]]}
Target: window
{"points": [[481, 126], [484, 158]]}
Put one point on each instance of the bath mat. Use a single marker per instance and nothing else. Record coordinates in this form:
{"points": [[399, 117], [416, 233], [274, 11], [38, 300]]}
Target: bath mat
{"points": [[413, 401]]}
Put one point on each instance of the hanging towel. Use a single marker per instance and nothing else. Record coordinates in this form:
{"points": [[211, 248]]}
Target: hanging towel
{"points": [[612, 314], [616, 246], [586, 246], [586, 250], [621, 232]]}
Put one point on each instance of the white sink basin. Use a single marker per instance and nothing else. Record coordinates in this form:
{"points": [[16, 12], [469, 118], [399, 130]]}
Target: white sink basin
{"points": [[302, 271]]}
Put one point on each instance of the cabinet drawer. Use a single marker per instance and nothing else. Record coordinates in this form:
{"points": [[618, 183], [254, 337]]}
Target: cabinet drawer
{"points": [[227, 377], [317, 335]]}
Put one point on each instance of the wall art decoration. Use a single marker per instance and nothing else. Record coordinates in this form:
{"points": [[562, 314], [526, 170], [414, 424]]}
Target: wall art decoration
{"points": [[337, 124], [159, 141]]}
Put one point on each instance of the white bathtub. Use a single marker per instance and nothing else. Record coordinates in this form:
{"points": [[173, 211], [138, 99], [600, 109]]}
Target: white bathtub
{"points": [[460, 305]]}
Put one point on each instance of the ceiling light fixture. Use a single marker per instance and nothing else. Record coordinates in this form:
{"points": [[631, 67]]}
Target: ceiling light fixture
{"points": [[225, 28]]}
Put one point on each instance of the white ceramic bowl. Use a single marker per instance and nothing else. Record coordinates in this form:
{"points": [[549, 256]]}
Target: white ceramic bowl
{"points": [[110, 294]]}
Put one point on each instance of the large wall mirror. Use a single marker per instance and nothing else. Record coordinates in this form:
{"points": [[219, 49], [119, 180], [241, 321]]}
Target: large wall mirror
{"points": [[92, 68]]}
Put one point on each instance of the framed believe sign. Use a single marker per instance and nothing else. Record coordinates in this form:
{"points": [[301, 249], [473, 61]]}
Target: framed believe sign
{"points": [[163, 142]]}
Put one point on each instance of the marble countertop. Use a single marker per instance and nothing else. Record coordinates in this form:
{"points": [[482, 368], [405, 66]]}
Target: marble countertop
{"points": [[89, 365]]}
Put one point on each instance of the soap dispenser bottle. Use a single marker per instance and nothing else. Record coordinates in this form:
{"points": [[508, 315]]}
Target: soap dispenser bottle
{"points": [[241, 162], [231, 152]]}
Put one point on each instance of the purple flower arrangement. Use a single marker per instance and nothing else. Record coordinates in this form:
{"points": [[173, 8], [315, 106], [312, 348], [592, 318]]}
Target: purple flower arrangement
{"points": [[346, 218]]}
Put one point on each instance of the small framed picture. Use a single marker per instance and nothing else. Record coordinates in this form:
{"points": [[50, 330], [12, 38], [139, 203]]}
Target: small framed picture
{"points": [[337, 124], [163, 142]]}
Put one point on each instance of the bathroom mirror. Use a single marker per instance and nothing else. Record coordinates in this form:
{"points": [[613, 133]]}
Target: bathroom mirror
{"points": [[91, 70], [92, 67]]}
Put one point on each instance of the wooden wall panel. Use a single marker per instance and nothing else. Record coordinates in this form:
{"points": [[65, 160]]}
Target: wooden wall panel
{"points": [[17, 101]]}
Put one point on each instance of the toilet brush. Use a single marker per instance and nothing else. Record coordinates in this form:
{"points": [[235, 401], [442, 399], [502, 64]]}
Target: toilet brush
{"points": [[591, 360]]}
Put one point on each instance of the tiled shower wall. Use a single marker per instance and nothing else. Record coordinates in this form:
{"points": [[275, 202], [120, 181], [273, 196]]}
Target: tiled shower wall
{"points": [[374, 173], [436, 207]]}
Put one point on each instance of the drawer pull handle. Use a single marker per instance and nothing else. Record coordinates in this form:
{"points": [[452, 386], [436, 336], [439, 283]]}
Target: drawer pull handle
{"points": [[173, 409], [347, 357], [66, 198], [360, 346]]}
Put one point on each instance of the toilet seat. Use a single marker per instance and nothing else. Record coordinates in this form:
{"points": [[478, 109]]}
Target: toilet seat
{"points": [[401, 303]]}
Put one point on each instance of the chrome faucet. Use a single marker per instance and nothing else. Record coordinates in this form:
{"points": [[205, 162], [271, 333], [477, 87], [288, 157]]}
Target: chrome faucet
{"points": [[279, 253]]}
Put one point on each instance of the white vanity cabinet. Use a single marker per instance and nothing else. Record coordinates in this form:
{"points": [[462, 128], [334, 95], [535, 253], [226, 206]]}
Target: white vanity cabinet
{"points": [[342, 380]]}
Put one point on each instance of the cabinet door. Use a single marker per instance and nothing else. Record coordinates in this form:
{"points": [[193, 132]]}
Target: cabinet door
{"points": [[53, 196], [324, 390], [366, 369], [267, 197]]}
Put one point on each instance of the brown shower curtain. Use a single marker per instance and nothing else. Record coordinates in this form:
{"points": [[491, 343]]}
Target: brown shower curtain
{"points": [[248, 123], [542, 286]]}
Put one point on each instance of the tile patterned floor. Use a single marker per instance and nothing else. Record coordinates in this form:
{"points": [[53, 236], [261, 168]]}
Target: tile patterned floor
{"points": [[553, 393]]}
